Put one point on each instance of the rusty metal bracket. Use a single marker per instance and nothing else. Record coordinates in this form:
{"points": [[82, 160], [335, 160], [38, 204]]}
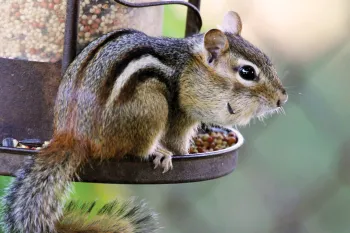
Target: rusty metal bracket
{"points": [[70, 33]]}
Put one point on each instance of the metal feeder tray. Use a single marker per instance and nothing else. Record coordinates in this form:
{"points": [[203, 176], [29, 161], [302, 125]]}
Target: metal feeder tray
{"points": [[187, 168]]}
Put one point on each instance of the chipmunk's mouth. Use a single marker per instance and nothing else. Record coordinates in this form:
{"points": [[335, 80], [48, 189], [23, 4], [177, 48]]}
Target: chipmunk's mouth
{"points": [[264, 111], [261, 110], [229, 108]]}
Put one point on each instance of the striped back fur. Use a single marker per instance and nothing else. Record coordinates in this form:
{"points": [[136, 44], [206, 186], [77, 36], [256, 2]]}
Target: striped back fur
{"points": [[110, 63]]}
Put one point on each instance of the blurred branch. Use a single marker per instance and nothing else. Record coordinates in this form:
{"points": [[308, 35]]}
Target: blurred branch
{"points": [[183, 213], [292, 216]]}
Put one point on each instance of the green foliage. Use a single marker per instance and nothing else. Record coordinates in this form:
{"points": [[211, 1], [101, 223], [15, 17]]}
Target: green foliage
{"points": [[174, 23]]}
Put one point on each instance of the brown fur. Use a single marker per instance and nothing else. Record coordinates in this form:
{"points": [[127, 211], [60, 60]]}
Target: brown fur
{"points": [[64, 142]]}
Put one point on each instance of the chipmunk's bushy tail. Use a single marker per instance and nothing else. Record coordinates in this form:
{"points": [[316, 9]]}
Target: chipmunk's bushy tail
{"points": [[34, 201], [114, 217]]}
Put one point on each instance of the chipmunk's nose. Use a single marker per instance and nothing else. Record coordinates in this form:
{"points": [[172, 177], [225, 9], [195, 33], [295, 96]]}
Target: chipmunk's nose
{"points": [[283, 97]]}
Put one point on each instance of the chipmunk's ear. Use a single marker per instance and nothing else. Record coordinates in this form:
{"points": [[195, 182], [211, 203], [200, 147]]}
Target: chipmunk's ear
{"points": [[232, 23], [216, 43]]}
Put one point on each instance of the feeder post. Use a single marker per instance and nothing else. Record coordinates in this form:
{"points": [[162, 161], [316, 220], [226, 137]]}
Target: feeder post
{"points": [[70, 34], [192, 19]]}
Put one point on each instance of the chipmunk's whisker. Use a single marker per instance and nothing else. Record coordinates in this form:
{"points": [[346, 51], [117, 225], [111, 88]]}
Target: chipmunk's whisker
{"points": [[283, 111], [288, 87], [285, 74]]}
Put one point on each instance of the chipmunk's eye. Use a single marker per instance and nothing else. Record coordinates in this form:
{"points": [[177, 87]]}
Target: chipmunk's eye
{"points": [[247, 73]]}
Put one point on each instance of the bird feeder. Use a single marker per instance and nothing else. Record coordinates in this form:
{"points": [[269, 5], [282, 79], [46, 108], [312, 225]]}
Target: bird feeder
{"points": [[39, 39]]}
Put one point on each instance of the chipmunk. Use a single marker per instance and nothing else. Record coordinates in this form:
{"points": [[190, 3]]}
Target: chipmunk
{"points": [[129, 93]]}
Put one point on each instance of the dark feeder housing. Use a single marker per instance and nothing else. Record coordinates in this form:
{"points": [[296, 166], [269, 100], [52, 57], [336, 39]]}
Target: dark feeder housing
{"points": [[27, 96]]}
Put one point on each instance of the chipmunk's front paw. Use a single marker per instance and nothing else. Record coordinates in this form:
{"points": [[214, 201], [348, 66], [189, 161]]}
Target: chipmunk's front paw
{"points": [[166, 163]]}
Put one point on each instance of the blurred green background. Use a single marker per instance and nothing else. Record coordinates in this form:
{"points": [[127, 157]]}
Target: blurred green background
{"points": [[293, 174]]}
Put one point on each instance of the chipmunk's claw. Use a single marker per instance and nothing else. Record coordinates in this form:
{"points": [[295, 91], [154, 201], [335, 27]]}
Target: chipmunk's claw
{"points": [[157, 161], [167, 164], [166, 155]]}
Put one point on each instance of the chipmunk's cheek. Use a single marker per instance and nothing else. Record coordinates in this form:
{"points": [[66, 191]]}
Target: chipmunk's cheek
{"points": [[251, 112], [243, 115]]}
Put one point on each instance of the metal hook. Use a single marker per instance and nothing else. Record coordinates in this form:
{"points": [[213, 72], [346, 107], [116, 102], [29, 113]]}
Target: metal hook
{"points": [[198, 23]]}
